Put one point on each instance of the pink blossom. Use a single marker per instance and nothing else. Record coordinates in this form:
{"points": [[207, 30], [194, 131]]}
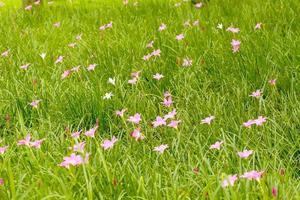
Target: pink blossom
{"points": [[25, 67], [74, 160], [158, 76], [35, 103], [135, 118], [57, 24], [233, 30], [258, 26], [272, 82], [256, 94], [120, 113], [1, 181], [170, 115], [168, 101], [29, 7], [79, 147], [132, 81], [187, 62], [65, 74], [159, 121], [37, 144], [160, 149], [179, 37], [108, 144], [235, 45], [260, 120], [25, 141], [5, 53], [207, 120], [274, 192], [75, 69], [174, 123], [137, 135], [216, 145], [249, 123], [245, 153], [252, 175], [196, 23], [135, 74], [59, 59], [156, 52], [229, 181], [150, 44], [78, 37], [91, 67], [198, 5], [91, 132], [162, 27], [106, 26], [147, 57], [76, 134], [3, 149]]}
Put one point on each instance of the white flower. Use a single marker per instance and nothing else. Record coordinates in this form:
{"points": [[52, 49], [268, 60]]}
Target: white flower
{"points": [[108, 95], [112, 81]]}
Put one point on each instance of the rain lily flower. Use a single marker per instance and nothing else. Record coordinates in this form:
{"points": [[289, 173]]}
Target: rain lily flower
{"points": [[220, 26], [258, 26], [66, 74], [170, 115], [174, 123], [25, 67], [91, 67], [260, 120], [179, 37], [56, 24], [111, 81], [252, 175], [167, 101], [1, 181], [120, 113], [43, 55], [274, 192], [198, 5], [132, 81], [137, 135], [74, 160], [159, 121], [158, 76], [35, 103], [91, 132], [156, 52], [37, 2], [235, 45], [187, 62], [79, 147], [75, 69], [147, 57], [76, 134], [245, 153], [160, 149], [135, 118], [233, 30], [5, 53], [272, 82], [150, 44], [196, 23], [106, 26], [249, 123], [79, 37], [108, 95], [29, 7], [37, 144], [59, 59], [72, 45], [207, 120], [162, 27], [108, 144], [229, 181], [216, 145], [135, 74], [256, 94], [3, 149], [25, 141]]}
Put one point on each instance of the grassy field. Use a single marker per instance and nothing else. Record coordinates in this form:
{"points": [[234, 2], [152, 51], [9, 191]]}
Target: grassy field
{"points": [[205, 76]]}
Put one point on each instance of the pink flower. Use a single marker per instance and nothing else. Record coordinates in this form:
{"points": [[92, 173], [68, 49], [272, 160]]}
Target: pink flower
{"points": [[274, 192], [150, 44], [162, 27], [37, 144], [37, 2], [198, 5], [120, 113], [29, 7], [137, 135], [75, 69], [79, 37], [156, 52], [135, 74], [260, 120], [168, 101], [132, 81], [147, 57], [249, 123], [216, 145], [179, 37], [272, 82], [25, 141], [187, 62], [66, 74], [35, 103], [91, 67], [170, 115], [196, 23], [135, 118], [235, 45], [57, 24], [25, 67], [79, 147], [106, 26], [59, 59], [5, 53], [229, 181], [74, 160], [1, 181], [252, 175], [160, 149], [174, 123], [258, 26], [91, 132], [207, 120], [158, 76], [256, 94], [76, 134], [245, 153], [3, 149], [159, 121], [233, 30], [108, 144]]}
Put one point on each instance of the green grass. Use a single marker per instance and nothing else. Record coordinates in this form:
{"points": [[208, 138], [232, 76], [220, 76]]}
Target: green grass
{"points": [[218, 83]]}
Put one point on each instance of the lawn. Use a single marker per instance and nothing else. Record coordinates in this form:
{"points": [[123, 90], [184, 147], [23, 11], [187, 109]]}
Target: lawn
{"points": [[159, 99]]}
